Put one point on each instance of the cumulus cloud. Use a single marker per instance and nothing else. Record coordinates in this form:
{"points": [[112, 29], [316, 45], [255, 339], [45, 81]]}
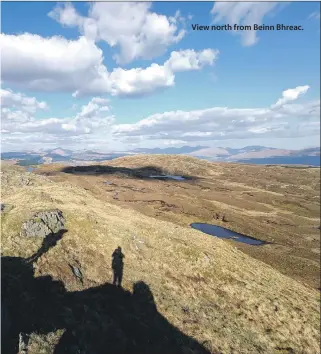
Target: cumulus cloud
{"points": [[243, 13], [17, 110], [95, 126], [222, 123], [50, 64], [93, 117], [186, 60], [139, 81], [132, 27], [291, 95], [59, 65], [20, 101]]}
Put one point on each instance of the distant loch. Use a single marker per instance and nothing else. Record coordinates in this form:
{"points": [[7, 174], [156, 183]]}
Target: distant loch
{"points": [[285, 160]]}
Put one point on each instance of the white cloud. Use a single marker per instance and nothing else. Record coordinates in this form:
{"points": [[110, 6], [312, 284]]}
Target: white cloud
{"points": [[17, 110], [291, 95], [133, 27], [93, 107], [243, 13], [60, 65], [139, 81], [186, 60], [67, 15], [173, 142], [20, 101], [94, 126], [50, 64], [219, 123], [19, 119]]}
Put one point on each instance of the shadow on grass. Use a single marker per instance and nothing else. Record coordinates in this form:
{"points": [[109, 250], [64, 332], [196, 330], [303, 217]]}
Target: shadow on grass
{"points": [[141, 172], [104, 319]]}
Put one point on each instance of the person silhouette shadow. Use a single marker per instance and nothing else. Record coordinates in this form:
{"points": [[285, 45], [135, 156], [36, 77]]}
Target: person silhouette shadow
{"points": [[105, 319], [117, 266]]}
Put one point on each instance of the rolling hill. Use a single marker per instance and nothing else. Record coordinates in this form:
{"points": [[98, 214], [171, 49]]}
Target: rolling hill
{"points": [[248, 154], [198, 293]]}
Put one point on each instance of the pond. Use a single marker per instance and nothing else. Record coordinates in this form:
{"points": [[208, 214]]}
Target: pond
{"points": [[108, 183], [164, 177], [221, 232]]}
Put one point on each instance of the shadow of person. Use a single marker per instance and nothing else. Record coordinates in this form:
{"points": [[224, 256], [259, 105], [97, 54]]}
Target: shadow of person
{"points": [[117, 265], [101, 320]]}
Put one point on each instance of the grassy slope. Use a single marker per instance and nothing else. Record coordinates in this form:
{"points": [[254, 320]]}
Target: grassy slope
{"points": [[273, 203], [239, 304]]}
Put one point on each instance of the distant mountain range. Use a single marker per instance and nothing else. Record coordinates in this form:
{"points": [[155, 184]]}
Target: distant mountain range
{"points": [[170, 150], [248, 154]]}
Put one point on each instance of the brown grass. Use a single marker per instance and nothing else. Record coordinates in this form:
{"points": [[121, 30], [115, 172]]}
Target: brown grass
{"points": [[276, 204], [236, 303]]}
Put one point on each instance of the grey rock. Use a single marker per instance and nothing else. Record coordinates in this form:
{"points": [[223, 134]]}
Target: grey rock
{"points": [[23, 343], [77, 272], [43, 223]]}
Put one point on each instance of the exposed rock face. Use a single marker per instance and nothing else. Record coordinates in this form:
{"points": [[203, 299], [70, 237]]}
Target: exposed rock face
{"points": [[218, 216], [43, 223]]}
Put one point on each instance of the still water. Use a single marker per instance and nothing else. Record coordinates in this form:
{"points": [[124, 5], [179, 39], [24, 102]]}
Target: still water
{"points": [[176, 178], [221, 232]]}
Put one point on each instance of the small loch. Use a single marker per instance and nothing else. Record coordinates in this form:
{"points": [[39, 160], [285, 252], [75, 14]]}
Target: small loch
{"points": [[224, 233], [166, 177]]}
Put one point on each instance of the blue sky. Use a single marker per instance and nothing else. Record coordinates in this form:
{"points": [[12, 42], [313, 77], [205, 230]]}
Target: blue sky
{"points": [[115, 76]]}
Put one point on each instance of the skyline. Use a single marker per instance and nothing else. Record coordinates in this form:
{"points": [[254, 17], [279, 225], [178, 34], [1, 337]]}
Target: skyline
{"points": [[120, 76]]}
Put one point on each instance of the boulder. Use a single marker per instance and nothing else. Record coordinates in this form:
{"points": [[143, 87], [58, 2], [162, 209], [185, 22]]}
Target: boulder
{"points": [[43, 223]]}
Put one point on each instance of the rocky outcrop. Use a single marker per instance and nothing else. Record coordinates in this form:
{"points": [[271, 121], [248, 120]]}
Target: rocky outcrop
{"points": [[43, 223], [218, 216]]}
